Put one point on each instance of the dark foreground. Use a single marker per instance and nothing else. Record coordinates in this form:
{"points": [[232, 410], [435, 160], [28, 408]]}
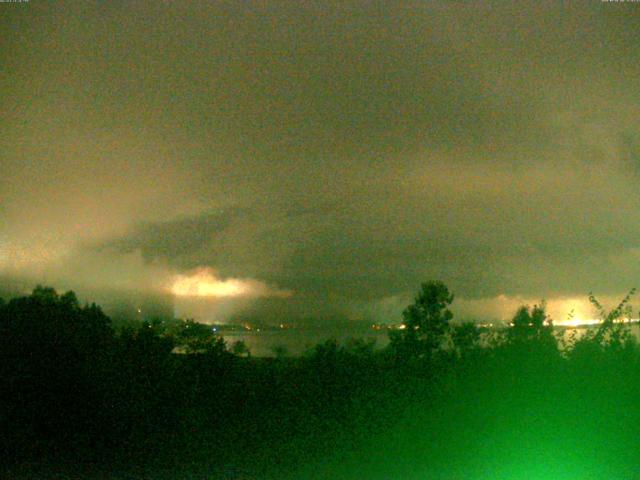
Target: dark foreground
{"points": [[80, 401]]}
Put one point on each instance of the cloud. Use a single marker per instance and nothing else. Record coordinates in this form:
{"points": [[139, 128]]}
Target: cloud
{"points": [[345, 152], [203, 282]]}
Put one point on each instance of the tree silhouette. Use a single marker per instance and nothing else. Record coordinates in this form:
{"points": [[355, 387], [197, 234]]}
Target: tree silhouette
{"points": [[529, 322], [54, 354], [532, 329], [240, 349], [425, 322], [465, 338], [612, 331]]}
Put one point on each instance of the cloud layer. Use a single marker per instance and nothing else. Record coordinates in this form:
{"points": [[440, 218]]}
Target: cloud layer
{"points": [[342, 152]]}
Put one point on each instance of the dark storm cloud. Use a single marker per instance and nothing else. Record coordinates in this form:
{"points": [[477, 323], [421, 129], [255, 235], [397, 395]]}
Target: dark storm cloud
{"points": [[344, 151], [172, 240]]}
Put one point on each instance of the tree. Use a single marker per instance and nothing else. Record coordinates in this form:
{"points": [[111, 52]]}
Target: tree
{"points": [[529, 322], [45, 295], [198, 337], [612, 331], [56, 358], [465, 338], [240, 349], [532, 326], [425, 323], [280, 351]]}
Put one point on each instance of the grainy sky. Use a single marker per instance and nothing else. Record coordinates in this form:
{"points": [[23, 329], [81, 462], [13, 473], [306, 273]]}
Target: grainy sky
{"points": [[326, 157]]}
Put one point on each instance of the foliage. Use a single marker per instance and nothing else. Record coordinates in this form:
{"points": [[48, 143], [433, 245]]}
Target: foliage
{"points": [[531, 325], [465, 338], [75, 393], [199, 338], [425, 323], [240, 349], [612, 333], [280, 351]]}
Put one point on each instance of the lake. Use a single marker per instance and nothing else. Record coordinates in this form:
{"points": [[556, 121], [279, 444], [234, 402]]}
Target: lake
{"points": [[297, 341]]}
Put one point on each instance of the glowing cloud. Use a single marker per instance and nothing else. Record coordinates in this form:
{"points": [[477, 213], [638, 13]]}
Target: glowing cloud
{"points": [[29, 257], [203, 282]]}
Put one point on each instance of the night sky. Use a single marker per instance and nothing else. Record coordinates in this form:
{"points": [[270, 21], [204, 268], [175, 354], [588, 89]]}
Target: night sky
{"points": [[321, 159]]}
